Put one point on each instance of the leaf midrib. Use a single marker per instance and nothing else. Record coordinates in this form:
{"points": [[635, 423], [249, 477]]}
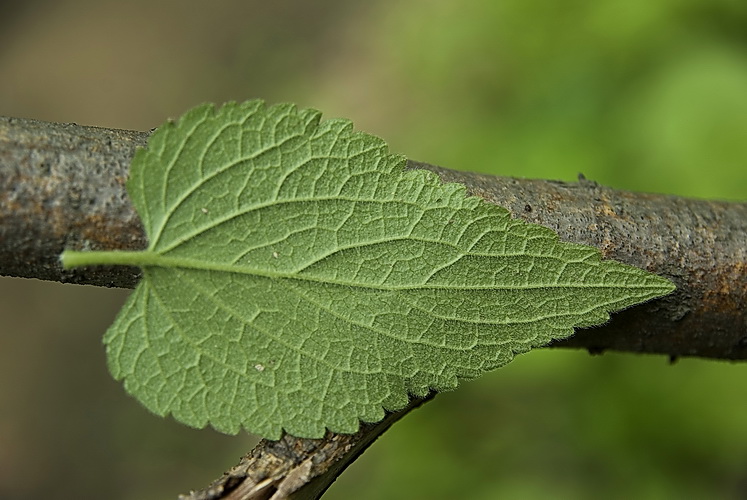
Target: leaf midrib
{"points": [[147, 258]]}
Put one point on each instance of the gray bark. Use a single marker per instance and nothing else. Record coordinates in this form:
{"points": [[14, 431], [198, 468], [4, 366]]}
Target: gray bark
{"points": [[62, 186]]}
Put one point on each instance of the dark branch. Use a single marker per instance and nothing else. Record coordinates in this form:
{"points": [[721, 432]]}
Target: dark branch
{"points": [[297, 468], [62, 186], [701, 245]]}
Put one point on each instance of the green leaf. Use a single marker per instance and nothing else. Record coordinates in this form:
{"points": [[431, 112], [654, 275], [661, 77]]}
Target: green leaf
{"points": [[299, 278]]}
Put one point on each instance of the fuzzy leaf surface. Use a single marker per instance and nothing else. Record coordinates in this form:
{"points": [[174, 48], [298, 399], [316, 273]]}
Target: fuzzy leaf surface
{"points": [[299, 279]]}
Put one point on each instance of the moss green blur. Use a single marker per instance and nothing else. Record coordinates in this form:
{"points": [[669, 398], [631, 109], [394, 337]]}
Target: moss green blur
{"points": [[639, 95], [646, 95]]}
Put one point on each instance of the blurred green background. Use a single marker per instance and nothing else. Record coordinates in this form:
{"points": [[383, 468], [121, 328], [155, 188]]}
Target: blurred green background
{"points": [[646, 95]]}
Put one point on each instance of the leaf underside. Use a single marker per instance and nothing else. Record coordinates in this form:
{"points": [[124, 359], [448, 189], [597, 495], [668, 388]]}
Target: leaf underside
{"points": [[299, 279]]}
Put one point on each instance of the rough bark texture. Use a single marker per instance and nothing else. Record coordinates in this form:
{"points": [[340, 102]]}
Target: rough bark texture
{"points": [[62, 186], [700, 245], [296, 468]]}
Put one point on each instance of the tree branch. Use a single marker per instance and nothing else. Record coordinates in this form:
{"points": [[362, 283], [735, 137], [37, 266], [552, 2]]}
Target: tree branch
{"points": [[62, 186]]}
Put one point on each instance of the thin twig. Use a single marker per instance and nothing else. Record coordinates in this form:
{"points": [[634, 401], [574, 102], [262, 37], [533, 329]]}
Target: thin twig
{"points": [[62, 186]]}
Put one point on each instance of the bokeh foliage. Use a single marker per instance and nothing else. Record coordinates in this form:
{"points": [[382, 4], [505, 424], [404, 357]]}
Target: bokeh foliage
{"points": [[644, 95], [640, 95], [647, 95]]}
